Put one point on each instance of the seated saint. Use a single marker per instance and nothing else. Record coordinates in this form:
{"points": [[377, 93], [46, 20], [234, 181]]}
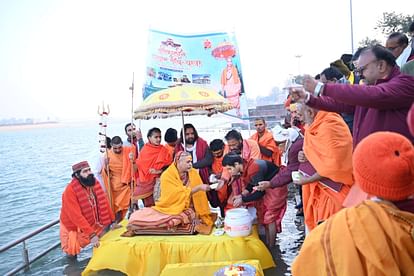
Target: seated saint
{"points": [[182, 203]]}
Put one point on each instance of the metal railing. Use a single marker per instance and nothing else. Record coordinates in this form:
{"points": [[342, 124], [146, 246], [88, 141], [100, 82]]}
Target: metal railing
{"points": [[26, 260]]}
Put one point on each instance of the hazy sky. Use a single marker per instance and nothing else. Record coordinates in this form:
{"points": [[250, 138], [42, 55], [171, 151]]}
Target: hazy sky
{"points": [[63, 58]]}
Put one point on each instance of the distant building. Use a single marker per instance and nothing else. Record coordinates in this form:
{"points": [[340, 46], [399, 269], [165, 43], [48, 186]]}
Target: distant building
{"points": [[25, 121], [273, 114]]}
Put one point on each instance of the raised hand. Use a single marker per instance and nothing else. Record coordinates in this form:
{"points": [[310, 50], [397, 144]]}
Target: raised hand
{"points": [[138, 134], [298, 94], [309, 83]]}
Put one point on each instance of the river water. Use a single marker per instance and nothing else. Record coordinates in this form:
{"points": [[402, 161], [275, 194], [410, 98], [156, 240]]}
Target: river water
{"points": [[35, 167]]}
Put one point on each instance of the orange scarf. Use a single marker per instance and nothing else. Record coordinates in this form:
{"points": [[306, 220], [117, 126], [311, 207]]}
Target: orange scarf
{"points": [[120, 177], [170, 150], [151, 157], [328, 147], [92, 203], [267, 141]]}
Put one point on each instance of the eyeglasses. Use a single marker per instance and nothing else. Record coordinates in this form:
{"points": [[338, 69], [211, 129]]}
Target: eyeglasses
{"points": [[360, 70], [393, 48]]}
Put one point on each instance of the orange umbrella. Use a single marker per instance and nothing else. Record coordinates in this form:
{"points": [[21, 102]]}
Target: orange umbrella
{"points": [[182, 101], [224, 50]]}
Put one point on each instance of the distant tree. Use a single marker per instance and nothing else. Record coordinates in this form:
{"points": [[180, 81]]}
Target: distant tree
{"points": [[393, 22], [366, 42]]}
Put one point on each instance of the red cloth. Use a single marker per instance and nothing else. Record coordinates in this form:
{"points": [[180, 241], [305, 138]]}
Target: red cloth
{"points": [[150, 157], [78, 213], [274, 206], [271, 208]]}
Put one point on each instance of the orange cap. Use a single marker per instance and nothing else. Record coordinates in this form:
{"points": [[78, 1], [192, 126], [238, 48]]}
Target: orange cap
{"points": [[384, 166]]}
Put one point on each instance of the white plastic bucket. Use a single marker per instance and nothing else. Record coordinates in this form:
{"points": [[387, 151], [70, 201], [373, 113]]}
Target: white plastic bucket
{"points": [[238, 223]]}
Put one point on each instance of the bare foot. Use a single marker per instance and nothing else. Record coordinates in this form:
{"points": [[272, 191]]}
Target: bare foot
{"points": [[271, 241], [116, 226]]}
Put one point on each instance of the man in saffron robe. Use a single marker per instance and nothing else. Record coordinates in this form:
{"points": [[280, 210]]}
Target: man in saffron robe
{"points": [[375, 237], [328, 148], [231, 85], [152, 160], [85, 211], [251, 172], [181, 189], [268, 149], [218, 149], [121, 176]]}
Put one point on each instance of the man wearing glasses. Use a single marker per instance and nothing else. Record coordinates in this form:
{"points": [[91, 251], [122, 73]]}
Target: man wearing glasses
{"points": [[381, 105], [398, 44], [408, 68]]}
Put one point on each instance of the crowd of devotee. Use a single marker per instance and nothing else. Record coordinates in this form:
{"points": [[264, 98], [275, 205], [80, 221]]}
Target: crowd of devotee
{"points": [[346, 145]]}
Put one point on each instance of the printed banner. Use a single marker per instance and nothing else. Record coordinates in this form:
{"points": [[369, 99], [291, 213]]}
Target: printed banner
{"points": [[210, 60]]}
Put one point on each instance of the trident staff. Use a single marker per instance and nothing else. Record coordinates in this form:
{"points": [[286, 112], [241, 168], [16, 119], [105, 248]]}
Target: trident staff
{"points": [[103, 147], [132, 184]]}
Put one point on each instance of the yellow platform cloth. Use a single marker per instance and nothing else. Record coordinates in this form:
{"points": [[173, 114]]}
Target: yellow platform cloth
{"points": [[198, 269], [148, 255]]}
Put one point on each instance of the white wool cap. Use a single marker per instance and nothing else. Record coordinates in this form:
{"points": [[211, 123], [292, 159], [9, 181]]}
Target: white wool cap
{"points": [[280, 134]]}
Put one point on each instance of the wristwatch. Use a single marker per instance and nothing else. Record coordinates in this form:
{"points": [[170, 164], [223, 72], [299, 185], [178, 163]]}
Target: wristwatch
{"points": [[318, 89]]}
